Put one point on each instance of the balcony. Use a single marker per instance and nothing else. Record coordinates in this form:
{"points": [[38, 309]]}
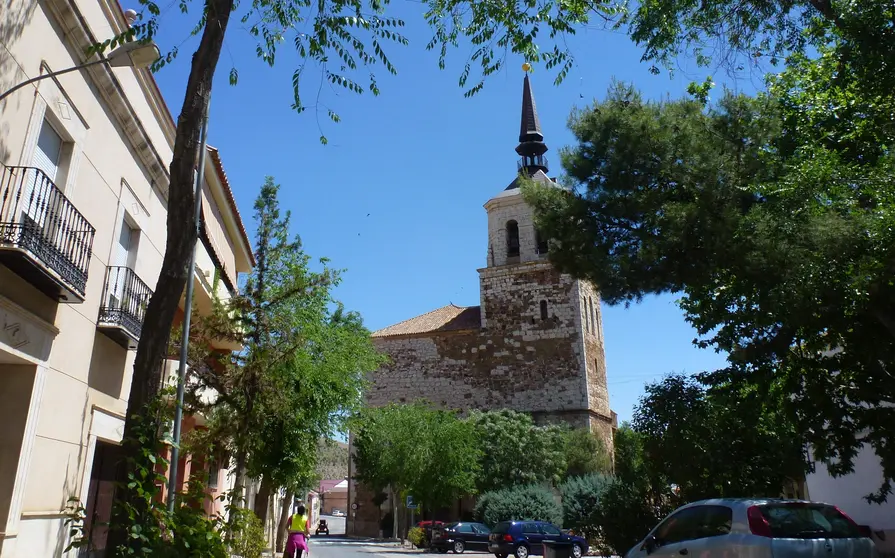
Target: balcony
{"points": [[125, 297], [43, 238], [532, 162]]}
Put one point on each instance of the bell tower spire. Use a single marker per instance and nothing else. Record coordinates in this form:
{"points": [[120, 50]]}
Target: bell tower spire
{"points": [[531, 146]]}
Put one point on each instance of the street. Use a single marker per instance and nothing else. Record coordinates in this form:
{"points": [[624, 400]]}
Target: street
{"points": [[339, 547]]}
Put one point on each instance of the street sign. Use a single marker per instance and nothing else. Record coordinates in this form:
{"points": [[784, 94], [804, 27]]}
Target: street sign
{"points": [[411, 505]]}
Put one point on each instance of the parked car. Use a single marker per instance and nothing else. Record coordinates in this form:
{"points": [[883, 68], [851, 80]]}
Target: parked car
{"points": [[522, 538], [756, 528], [337, 513], [428, 525], [459, 537], [322, 527]]}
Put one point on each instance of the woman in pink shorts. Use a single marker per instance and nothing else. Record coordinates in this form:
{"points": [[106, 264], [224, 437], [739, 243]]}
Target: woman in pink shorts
{"points": [[299, 533]]}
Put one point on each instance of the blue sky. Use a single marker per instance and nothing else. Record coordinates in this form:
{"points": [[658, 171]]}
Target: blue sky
{"points": [[396, 196]]}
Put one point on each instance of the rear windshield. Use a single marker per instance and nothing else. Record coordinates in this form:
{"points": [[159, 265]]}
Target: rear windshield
{"points": [[501, 528], [808, 521]]}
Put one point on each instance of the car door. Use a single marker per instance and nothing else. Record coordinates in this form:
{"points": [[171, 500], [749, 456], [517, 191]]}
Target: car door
{"points": [[480, 537], [551, 533], [674, 537], [465, 533], [532, 533]]}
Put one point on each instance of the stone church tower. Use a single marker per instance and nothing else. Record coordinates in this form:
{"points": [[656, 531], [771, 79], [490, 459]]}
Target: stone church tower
{"points": [[535, 344]]}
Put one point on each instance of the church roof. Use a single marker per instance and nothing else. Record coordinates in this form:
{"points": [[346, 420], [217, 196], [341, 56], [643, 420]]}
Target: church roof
{"points": [[446, 318], [538, 176]]}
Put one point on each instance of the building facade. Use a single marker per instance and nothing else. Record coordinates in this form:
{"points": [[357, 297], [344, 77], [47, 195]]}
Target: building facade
{"points": [[535, 344], [83, 194]]}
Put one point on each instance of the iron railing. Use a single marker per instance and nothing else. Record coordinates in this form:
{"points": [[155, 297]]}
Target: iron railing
{"points": [[125, 297], [35, 216], [532, 161]]}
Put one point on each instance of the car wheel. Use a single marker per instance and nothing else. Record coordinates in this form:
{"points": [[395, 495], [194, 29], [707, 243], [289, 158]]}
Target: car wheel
{"points": [[576, 551], [501, 555], [521, 551], [459, 547]]}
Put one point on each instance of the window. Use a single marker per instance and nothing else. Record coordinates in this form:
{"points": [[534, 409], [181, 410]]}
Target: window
{"points": [[214, 473], [512, 239], [549, 529], [807, 521], [464, 528], [680, 527], [716, 520], [586, 314], [541, 241], [481, 529], [593, 320], [38, 197], [530, 529], [543, 309]]}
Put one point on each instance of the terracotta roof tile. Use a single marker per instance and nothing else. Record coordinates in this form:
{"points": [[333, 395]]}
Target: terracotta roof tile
{"points": [[446, 318], [219, 166]]}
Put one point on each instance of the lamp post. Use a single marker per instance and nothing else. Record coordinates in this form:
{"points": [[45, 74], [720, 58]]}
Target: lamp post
{"points": [[135, 54], [187, 315]]}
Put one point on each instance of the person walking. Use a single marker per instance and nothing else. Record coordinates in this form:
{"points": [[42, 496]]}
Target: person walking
{"points": [[299, 533]]}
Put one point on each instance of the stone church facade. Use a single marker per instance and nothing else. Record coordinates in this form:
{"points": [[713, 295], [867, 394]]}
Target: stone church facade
{"points": [[535, 343]]}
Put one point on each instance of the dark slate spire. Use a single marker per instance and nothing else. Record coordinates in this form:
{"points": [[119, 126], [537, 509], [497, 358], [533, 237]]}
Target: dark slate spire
{"points": [[531, 140]]}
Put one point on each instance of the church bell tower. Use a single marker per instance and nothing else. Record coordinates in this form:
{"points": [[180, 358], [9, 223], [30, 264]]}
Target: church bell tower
{"points": [[552, 316]]}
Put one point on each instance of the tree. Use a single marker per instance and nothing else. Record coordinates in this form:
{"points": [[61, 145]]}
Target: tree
{"points": [[430, 454], [519, 452], [772, 215], [582, 501], [714, 446], [344, 34], [533, 502], [585, 453]]}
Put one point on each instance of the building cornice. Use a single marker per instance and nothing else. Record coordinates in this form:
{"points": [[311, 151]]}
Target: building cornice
{"points": [[79, 36]]}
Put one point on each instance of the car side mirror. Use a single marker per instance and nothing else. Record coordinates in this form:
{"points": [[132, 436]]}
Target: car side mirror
{"points": [[650, 544]]}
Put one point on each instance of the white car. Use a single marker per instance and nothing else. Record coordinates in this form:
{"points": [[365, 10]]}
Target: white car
{"points": [[338, 513], [756, 528]]}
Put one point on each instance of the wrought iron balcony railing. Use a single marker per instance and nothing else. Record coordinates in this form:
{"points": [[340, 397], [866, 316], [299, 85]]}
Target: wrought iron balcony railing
{"points": [[40, 230], [125, 297], [531, 161]]}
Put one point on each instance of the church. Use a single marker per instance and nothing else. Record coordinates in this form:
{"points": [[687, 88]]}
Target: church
{"points": [[534, 344]]}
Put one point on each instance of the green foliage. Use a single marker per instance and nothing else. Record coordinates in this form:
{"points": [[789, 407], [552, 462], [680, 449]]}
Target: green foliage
{"points": [[246, 534], [773, 217], [585, 453], [626, 516], [417, 537], [745, 447], [193, 532], [431, 454], [304, 361], [519, 452], [75, 518], [532, 502], [582, 501]]}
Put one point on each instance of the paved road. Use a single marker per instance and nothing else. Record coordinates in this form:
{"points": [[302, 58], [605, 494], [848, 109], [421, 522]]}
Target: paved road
{"points": [[336, 524], [338, 547]]}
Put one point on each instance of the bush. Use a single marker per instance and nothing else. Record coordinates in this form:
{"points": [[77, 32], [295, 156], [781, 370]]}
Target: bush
{"points": [[246, 533], [417, 537], [625, 516], [581, 501], [531, 502]]}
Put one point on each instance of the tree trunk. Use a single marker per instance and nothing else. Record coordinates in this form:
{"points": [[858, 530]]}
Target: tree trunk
{"points": [[181, 239], [394, 499], [262, 498], [284, 518]]}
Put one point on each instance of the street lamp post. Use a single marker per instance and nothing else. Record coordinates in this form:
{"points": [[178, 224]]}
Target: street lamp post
{"points": [[135, 54]]}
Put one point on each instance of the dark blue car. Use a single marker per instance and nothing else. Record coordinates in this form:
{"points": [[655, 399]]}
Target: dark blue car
{"points": [[523, 538]]}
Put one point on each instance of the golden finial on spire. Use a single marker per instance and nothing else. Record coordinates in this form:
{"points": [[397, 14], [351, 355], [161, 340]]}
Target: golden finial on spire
{"points": [[526, 67]]}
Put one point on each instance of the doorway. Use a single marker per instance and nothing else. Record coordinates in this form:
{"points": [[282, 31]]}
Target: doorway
{"points": [[100, 494]]}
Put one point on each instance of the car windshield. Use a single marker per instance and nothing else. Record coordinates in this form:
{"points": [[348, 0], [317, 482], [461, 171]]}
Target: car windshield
{"points": [[451, 525], [808, 521]]}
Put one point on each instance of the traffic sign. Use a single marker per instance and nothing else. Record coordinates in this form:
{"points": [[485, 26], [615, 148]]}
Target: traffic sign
{"points": [[411, 505]]}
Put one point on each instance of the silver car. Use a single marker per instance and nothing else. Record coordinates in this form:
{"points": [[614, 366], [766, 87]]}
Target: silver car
{"points": [[757, 528]]}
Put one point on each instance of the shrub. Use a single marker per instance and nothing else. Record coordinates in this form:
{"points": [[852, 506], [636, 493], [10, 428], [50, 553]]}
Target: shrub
{"points": [[581, 501], [246, 533], [626, 516], [531, 502], [417, 537]]}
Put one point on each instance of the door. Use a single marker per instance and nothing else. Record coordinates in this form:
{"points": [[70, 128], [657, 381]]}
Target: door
{"points": [[481, 536], [551, 533], [677, 535], [99, 497], [38, 193], [121, 261], [532, 533]]}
